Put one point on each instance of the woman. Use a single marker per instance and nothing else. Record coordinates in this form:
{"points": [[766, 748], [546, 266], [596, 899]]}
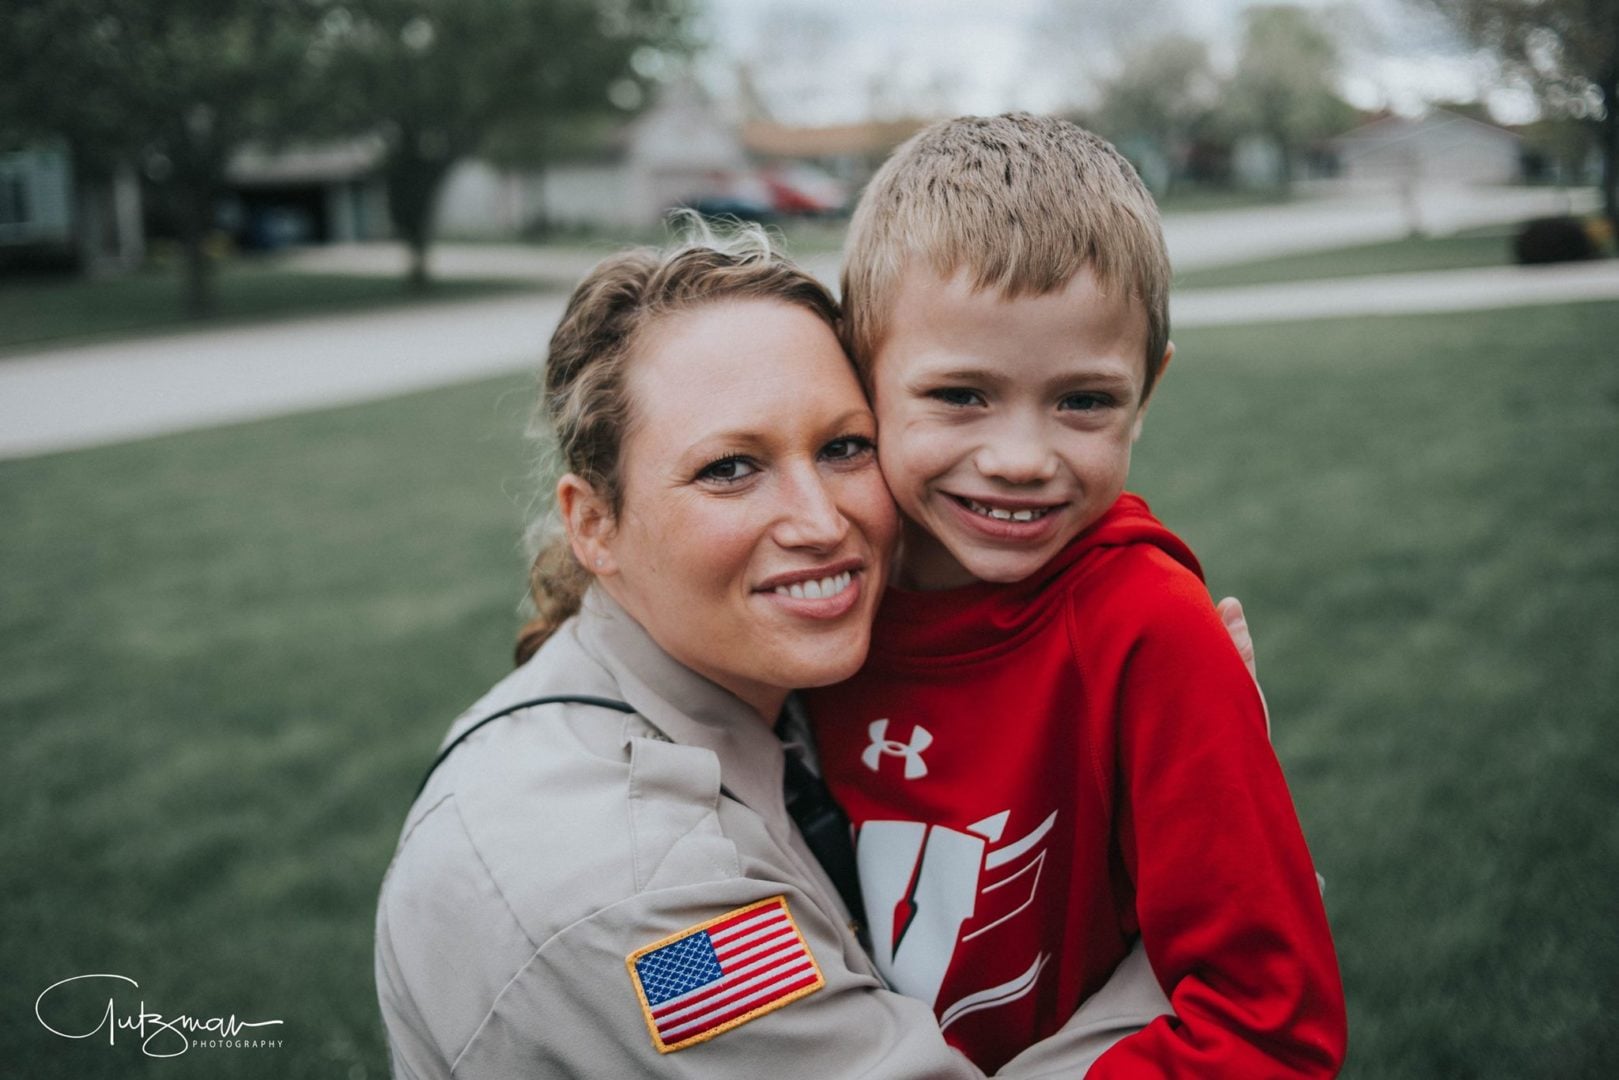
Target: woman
{"points": [[614, 887]]}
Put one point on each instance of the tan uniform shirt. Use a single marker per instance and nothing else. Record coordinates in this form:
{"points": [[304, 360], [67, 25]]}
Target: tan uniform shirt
{"points": [[559, 840]]}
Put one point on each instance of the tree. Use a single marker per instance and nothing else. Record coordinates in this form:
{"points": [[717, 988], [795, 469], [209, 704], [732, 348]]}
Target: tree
{"points": [[1568, 50], [440, 79], [1163, 93], [1283, 87], [173, 87]]}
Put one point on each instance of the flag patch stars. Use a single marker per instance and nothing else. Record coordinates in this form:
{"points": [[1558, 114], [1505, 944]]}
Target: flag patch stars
{"points": [[720, 974]]}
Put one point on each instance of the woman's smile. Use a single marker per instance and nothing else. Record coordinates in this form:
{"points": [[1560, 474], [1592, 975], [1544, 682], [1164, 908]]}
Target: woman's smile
{"points": [[827, 592]]}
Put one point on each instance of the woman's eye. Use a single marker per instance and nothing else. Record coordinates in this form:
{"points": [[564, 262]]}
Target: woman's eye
{"points": [[728, 470], [1087, 402], [848, 448], [957, 395]]}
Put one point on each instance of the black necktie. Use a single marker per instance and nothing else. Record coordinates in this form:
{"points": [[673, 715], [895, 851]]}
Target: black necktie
{"points": [[825, 828]]}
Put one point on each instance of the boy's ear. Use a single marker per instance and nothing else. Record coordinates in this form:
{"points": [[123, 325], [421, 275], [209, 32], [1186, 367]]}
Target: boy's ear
{"points": [[589, 522], [1163, 366]]}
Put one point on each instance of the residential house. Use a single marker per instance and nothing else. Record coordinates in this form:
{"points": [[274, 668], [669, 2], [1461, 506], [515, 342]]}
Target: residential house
{"points": [[1441, 147], [50, 213]]}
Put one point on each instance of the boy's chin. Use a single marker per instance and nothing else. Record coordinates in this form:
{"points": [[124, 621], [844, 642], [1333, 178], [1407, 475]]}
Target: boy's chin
{"points": [[957, 566], [1004, 568]]}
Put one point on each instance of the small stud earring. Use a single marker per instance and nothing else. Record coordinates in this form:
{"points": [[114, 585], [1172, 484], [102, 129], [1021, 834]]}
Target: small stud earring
{"points": [[600, 562]]}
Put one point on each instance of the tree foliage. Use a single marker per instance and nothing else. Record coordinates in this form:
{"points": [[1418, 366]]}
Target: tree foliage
{"points": [[172, 86], [177, 86], [1569, 52], [1284, 86], [1165, 93], [441, 79]]}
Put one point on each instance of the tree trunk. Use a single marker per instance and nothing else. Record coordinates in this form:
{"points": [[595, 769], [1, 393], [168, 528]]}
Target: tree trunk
{"points": [[416, 278], [196, 212], [1284, 164], [1610, 152], [413, 181]]}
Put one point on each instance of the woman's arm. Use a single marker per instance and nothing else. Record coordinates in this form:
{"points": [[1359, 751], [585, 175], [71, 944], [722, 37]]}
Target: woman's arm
{"points": [[575, 1009]]}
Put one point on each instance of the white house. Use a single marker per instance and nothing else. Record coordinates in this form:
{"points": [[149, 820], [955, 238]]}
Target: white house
{"points": [[49, 211], [680, 149], [1441, 147]]}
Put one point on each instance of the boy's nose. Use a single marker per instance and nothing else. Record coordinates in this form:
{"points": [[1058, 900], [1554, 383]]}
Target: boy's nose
{"points": [[1016, 458]]}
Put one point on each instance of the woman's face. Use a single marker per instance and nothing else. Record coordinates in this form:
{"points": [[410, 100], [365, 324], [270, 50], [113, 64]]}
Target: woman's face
{"points": [[755, 525]]}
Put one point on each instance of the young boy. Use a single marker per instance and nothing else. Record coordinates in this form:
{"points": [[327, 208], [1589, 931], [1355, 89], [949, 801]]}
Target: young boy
{"points": [[1054, 746]]}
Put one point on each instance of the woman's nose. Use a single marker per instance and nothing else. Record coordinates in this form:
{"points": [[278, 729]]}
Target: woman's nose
{"points": [[810, 516]]}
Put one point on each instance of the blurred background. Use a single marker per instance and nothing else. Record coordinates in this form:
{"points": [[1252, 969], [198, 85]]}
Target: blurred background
{"points": [[276, 278]]}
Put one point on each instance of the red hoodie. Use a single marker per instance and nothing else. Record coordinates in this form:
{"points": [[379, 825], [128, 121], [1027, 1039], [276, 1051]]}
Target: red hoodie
{"points": [[1040, 771]]}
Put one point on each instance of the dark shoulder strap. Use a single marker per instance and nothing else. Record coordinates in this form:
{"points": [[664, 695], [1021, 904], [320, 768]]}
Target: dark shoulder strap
{"points": [[554, 699]]}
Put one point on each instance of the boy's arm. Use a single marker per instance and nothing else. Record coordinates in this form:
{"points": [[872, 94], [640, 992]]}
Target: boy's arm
{"points": [[1131, 998], [1225, 893]]}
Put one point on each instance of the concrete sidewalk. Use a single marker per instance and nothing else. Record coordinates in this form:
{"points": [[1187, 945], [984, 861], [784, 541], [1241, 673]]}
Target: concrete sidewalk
{"points": [[1398, 294], [99, 394]]}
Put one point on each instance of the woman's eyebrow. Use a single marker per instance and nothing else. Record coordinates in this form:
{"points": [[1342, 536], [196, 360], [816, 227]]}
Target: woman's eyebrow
{"points": [[752, 437]]}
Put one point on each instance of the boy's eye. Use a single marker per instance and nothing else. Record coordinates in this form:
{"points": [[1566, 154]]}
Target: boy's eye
{"points": [[727, 470], [848, 448], [957, 395], [1086, 402]]}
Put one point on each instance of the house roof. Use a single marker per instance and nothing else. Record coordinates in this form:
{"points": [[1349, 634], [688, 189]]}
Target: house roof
{"points": [[324, 163], [873, 138], [1394, 126]]}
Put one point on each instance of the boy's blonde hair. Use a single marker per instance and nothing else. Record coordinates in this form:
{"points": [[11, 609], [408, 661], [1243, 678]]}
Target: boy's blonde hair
{"points": [[1021, 203]]}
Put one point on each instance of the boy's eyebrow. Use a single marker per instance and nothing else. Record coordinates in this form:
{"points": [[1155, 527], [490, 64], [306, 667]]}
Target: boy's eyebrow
{"points": [[1095, 376], [925, 374]]}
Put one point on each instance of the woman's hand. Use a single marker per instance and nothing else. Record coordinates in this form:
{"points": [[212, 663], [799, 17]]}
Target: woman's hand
{"points": [[1236, 624]]}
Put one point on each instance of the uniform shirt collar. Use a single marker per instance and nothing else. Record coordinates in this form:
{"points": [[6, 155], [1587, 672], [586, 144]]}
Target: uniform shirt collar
{"points": [[685, 706]]}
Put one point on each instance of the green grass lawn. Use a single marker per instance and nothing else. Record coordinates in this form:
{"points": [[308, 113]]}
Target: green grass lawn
{"points": [[1490, 246], [46, 312], [228, 656], [1420, 516]]}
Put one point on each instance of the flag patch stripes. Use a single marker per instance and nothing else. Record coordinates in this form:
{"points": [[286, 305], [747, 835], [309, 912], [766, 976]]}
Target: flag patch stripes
{"points": [[717, 975]]}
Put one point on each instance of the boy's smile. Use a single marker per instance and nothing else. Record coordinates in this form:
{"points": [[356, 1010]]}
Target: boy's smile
{"points": [[1005, 424]]}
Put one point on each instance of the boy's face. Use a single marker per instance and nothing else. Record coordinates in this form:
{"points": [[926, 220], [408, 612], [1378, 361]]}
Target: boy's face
{"points": [[1005, 426]]}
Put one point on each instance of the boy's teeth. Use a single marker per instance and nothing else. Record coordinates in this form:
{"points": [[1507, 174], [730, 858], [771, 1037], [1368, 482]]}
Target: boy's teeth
{"points": [[1004, 515], [818, 589]]}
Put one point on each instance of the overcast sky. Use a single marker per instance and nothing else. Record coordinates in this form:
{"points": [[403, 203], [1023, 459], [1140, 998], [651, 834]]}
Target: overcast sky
{"points": [[827, 61]]}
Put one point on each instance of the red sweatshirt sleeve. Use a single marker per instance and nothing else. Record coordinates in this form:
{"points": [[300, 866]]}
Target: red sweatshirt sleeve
{"points": [[1224, 889]]}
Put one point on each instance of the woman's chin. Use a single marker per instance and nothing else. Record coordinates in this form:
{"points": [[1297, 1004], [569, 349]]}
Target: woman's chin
{"points": [[834, 665]]}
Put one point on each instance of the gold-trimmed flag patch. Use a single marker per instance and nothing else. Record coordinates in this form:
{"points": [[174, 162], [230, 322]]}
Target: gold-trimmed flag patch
{"points": [[720, 974]]}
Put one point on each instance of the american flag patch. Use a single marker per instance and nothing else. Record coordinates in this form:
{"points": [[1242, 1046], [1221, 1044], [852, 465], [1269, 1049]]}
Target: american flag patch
{"points": [[722, 973]]}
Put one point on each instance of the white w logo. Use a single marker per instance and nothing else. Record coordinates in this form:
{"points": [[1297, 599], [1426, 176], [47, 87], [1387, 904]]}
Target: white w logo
{"points": [[881, 744]]}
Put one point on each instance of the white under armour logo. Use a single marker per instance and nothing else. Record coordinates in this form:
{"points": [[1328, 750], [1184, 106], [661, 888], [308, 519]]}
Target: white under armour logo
{"points": [[881, 744]]}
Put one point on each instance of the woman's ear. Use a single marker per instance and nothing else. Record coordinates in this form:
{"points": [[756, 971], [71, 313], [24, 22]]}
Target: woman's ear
{"points": [[589, 521]]}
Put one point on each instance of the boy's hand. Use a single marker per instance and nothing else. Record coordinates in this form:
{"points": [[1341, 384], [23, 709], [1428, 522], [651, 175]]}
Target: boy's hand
{"points": [[1236, 624]]}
